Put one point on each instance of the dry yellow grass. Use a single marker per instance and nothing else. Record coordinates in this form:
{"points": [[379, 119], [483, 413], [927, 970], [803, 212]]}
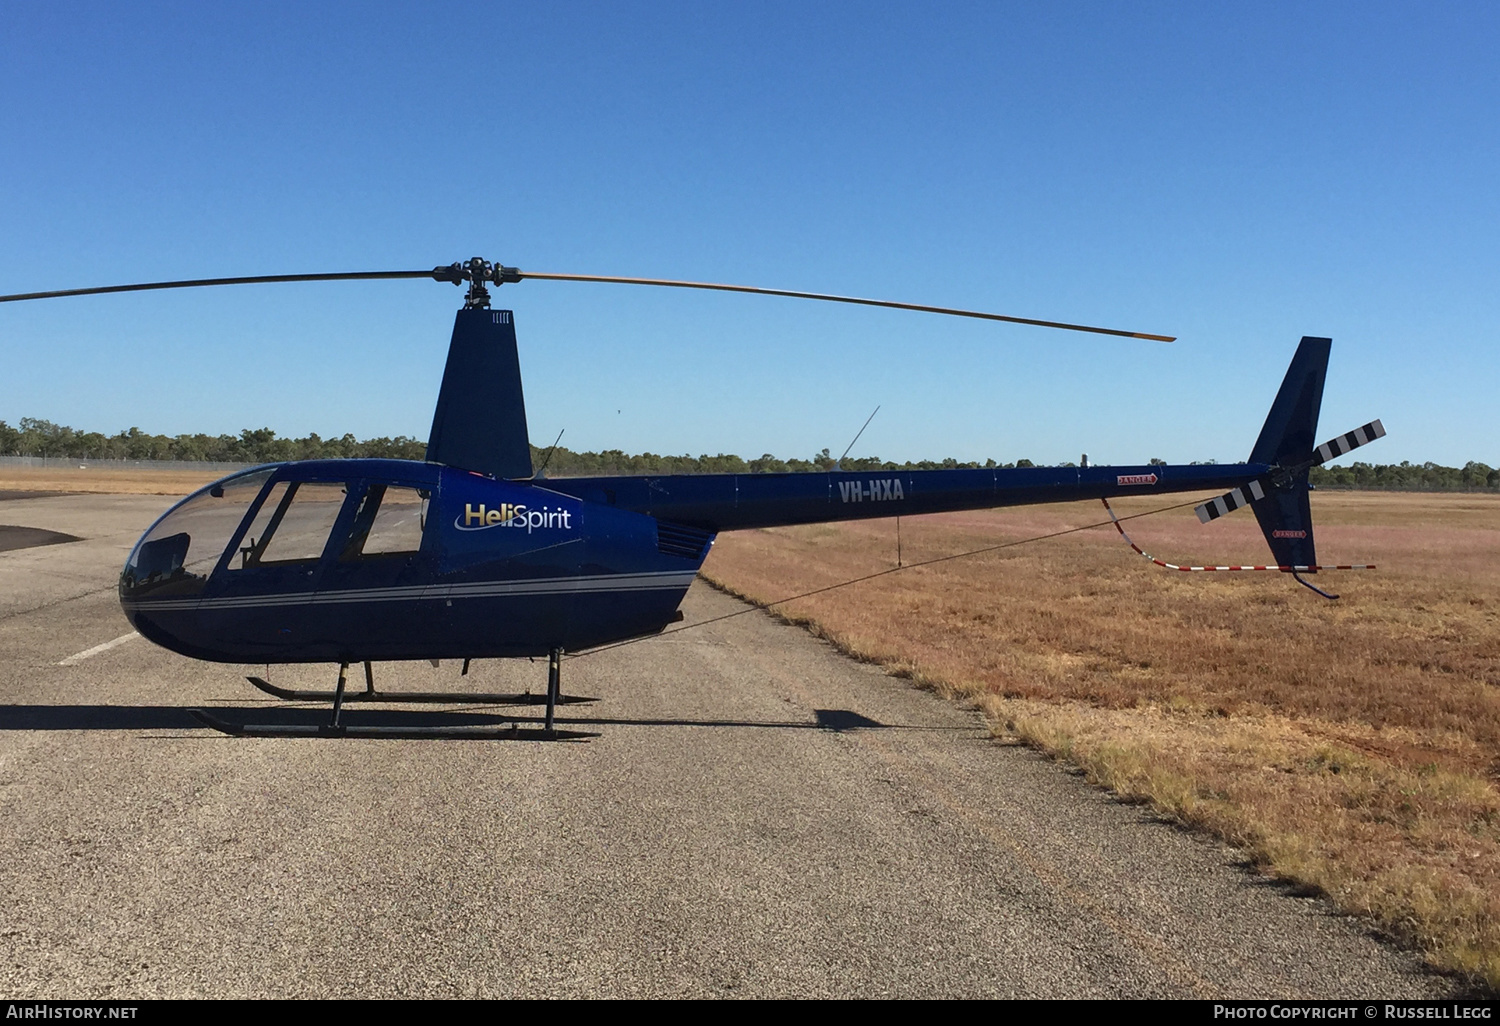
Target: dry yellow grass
{"points": [[106, 480], [1350, 746]]}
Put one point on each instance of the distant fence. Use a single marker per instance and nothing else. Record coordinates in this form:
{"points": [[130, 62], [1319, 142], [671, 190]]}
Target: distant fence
{"points": [[1425, 489], [77, 463]]}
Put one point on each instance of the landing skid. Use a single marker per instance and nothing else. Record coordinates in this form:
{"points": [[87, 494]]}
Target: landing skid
{"points": [[510, 733], [434, 697], [513, 732]]}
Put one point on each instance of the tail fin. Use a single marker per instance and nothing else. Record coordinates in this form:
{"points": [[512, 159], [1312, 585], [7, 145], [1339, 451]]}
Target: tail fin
{"points": [[1292, 425], [1279, 500], [1286, 520], [1287, 439]]}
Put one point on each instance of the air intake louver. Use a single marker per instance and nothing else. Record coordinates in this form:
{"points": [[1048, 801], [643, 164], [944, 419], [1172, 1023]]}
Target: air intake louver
{"points": [[681, 540]]}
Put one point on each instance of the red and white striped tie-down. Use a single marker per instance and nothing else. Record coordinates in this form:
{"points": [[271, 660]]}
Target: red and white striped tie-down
{"points": [[1173, 566]]}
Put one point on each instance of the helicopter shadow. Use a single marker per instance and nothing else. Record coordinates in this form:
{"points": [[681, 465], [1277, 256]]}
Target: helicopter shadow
{"points": [[171, 717]]}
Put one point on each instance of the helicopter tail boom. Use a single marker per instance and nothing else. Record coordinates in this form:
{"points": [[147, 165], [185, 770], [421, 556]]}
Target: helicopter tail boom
{"points": [[1273, 482]]}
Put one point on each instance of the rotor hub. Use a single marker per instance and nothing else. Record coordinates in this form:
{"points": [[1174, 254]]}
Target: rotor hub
{"points": [[479, 273]]}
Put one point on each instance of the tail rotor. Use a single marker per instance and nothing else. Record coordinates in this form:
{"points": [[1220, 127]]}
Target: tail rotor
{"points": [[1277, 489]]}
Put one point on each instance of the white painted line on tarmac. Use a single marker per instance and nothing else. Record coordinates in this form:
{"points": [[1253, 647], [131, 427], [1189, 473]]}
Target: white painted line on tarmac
{"points": [[78, 657]]}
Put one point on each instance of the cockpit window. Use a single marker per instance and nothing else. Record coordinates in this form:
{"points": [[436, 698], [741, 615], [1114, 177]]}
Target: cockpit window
{"points": [[177, 555], [390, 521], [259, 532], [298, 528]]}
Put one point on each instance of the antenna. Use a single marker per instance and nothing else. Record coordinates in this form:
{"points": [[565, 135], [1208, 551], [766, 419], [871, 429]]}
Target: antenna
{"points": [[856, 438], [542, 470]]}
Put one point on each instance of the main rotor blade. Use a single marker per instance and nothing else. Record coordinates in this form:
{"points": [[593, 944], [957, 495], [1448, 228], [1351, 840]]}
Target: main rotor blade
{"points": [[843, 299], [483, 271], [263, 279]]}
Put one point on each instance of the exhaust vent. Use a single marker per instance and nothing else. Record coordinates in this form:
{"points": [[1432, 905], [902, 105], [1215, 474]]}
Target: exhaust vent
{"points": [[681, 540]]}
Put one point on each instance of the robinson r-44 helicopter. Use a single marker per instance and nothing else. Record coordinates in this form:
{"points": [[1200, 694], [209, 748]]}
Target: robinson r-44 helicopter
{"points": [[468, 554]]}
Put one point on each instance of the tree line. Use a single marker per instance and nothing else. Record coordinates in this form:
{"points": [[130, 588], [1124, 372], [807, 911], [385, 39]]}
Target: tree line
{"points": [[566, 463], [44, 438], [35, 437], [1408, 477]]}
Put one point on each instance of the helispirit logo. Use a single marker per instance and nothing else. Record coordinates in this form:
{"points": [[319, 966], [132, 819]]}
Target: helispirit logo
{"points": [[510, 514]]}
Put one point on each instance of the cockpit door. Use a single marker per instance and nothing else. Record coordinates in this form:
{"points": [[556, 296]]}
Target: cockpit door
{"points": [[381, 545], [262, 592], [371, 592]]}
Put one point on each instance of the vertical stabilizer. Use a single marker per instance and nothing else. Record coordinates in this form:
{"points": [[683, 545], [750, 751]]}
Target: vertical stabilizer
{"points": [[1291, 427], [480, 421], [1286, 518]]}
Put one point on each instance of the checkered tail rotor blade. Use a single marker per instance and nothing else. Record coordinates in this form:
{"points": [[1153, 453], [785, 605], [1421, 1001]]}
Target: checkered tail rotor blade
{"points": [[1256, 490], [1336, 447], [1230, 501]]}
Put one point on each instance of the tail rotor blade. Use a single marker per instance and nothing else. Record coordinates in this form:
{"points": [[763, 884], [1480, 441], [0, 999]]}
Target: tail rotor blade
{"points": [[1213, 509], [1353, 440], [1256, 490]]}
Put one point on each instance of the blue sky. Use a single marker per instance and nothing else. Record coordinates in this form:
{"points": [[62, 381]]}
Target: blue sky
{"points": [[1237, 175]]}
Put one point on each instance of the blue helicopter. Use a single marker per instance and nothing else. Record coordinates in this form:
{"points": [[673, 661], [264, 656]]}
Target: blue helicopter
{"points": [[470, 555]]}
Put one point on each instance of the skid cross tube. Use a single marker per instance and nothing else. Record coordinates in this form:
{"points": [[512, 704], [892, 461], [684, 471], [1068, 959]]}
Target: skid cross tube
{"points": [[338, 698], [554, 683]]}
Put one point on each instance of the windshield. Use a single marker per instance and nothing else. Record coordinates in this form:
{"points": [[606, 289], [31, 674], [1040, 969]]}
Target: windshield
{"points": [[177, 555]]}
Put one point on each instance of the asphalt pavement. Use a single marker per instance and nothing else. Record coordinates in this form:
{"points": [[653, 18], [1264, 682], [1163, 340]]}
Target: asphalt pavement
{"points": [[760, 817]]}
